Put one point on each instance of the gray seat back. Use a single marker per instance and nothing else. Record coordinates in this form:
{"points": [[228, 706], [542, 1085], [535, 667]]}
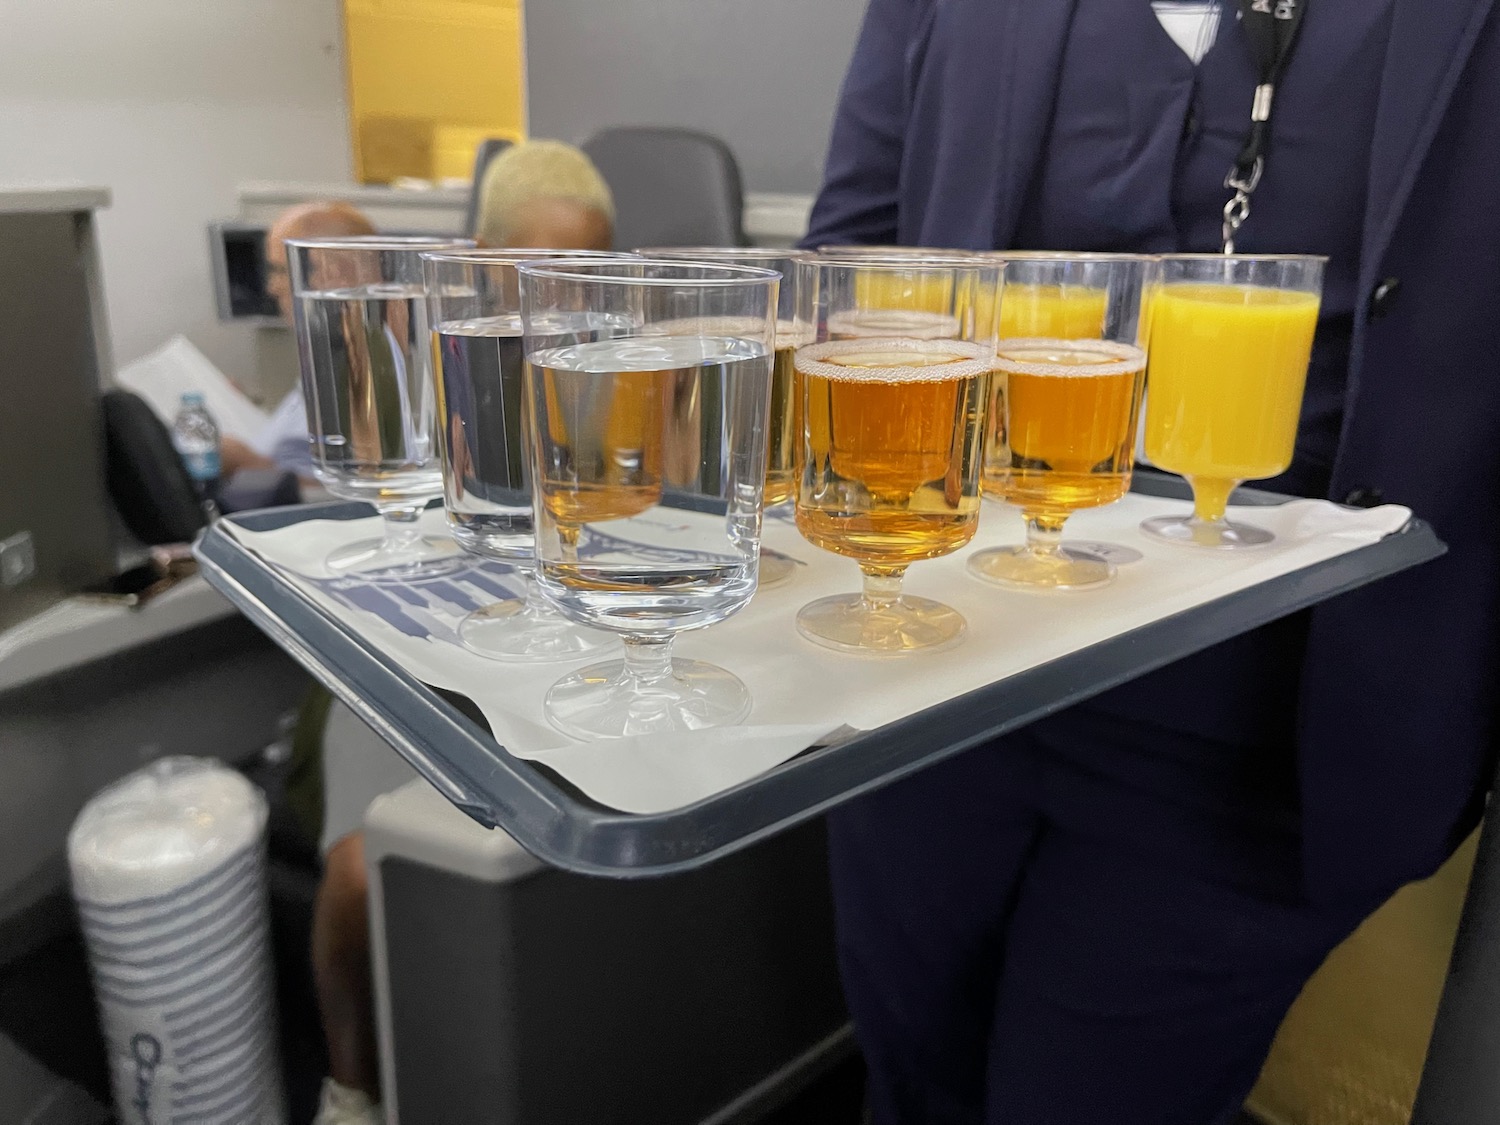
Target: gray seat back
{"points": [[508, 992], [672, 187]]}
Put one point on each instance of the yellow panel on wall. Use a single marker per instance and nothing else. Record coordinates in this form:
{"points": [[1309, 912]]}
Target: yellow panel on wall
{"points": [[430, 79]]}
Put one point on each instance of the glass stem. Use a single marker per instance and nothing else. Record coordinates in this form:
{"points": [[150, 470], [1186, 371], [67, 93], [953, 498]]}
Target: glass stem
{"points": [[535, 604], [648, 660], [1210, 498], [882, 589], [1044, 534], [402, 529]]}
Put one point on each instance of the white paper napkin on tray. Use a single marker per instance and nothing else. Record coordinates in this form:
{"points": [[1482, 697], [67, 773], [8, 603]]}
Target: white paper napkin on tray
{"points": [[803, 693]]}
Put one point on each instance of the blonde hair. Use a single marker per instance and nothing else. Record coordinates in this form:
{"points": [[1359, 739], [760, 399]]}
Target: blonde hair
{"points": [[535, 170]]}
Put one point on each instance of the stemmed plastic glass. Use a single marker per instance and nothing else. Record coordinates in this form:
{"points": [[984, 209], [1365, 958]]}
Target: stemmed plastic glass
{"points": [[892, 387], [362, 338], [1065, 401], [1231, 339], [474, 307], [782, 429], [648, 454]]}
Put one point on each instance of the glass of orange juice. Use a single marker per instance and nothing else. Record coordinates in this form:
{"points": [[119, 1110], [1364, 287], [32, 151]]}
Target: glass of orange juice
{"points": [[1230, 345], [1065, 397]]}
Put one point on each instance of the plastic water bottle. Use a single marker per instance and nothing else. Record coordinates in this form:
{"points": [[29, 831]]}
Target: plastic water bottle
{"points": [[196, 437]]}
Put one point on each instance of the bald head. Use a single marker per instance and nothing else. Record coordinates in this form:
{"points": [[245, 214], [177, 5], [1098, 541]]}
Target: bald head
{"points": [[306, 220]]}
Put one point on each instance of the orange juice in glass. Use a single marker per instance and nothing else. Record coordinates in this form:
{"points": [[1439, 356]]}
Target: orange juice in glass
{"points": [[1230, 346]]}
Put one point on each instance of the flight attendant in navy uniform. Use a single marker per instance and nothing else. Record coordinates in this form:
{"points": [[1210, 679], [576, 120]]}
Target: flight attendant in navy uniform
{"points": [[1103, 917]]}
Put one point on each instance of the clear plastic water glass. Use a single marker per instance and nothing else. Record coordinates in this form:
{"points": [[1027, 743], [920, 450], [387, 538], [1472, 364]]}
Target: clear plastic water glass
{"points": [[362, 338], [782, 430], [648, 452], [474, 307]]}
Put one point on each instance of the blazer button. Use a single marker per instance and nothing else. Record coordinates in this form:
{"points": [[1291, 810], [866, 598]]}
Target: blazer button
{"points": [[1383, 296], [1365, 498]]}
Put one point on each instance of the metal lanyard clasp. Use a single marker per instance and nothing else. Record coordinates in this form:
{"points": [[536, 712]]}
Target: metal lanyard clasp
{"points": [[1237, 210]]}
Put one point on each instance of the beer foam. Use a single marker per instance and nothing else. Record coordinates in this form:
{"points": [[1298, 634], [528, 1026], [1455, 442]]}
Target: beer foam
{"points": [[972, 360], [1127, 358], [893, 322]]}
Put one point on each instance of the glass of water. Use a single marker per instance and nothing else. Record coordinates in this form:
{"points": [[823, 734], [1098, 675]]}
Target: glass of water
{"points": [[474, 308], [362, 338], [784, 428], [648, 453]]}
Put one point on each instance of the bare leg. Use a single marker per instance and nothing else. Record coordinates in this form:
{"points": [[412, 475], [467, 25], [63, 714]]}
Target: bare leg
{"points": [[341, 967]]}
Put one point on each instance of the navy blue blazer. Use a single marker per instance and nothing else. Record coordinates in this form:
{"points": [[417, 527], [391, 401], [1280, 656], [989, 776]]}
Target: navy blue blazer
{"points": [[939, 131]]}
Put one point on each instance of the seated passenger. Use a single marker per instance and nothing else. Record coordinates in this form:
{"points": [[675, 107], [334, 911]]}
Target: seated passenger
{"points": [[545, 194], [282, 442]]}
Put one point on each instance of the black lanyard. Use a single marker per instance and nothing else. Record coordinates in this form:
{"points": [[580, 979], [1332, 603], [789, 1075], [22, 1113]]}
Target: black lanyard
{"points": [[1271, 26]]}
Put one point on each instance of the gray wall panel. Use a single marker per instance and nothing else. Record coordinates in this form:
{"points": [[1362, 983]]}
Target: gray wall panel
{"points": [[762, 74]]}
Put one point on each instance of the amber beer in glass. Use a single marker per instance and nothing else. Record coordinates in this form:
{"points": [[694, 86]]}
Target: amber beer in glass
{"points": [[1065, 400], [893, 391]]}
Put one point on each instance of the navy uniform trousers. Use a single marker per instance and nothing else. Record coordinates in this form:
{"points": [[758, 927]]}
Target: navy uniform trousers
{"points": [[1016, 960]]}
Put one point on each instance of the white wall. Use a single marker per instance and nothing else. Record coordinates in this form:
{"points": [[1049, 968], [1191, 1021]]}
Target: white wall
{"points": [[171, 104]]}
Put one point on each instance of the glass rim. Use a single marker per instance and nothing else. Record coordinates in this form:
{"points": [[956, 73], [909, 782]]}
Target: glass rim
{"points": [[515, 255], [875, 250], [382, 242], [566, 269], [933, 262], [1244, 257], [726, 253], [1067, 256]]}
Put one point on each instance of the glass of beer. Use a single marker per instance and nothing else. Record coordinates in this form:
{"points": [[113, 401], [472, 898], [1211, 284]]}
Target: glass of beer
{"points": [[1065, 400], [781, 441], [362, 338], [1230, 344], [648, 455], [892, 386], [474, 308]]}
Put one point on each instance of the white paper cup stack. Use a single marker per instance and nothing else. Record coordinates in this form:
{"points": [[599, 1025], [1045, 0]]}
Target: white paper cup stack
{"points": [[169, 875]]}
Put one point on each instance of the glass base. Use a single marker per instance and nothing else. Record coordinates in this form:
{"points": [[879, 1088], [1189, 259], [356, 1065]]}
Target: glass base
{"points": [[602, 701], [1018, 568], [849, 623], [517, 631], [1116, 554], [775, 568], [1218, 535], [409, 557]]}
